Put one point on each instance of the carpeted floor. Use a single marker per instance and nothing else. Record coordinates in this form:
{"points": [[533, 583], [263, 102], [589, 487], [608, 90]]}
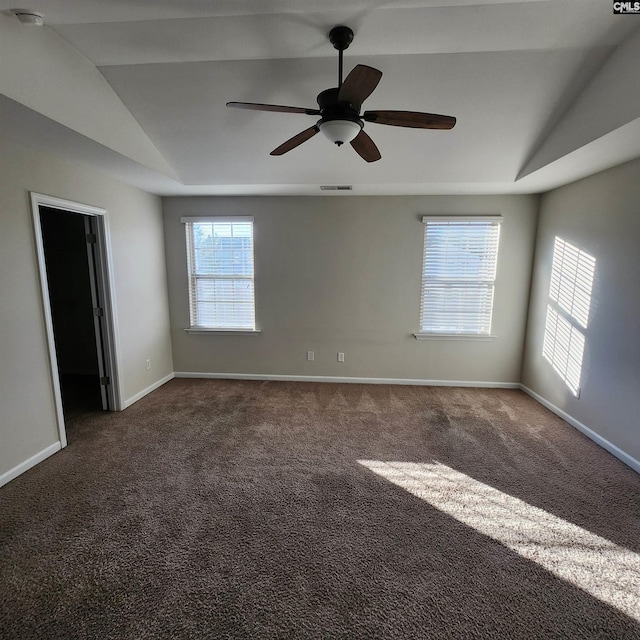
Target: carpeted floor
{"points": [[240, 509]]}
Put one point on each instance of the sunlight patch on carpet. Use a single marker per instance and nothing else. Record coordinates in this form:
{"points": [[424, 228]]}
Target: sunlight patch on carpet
{"points": [[598, 566]]}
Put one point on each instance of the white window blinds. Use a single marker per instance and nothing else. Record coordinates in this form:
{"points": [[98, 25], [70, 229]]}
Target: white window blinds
{"points": [[459, 270], [220, 269]]}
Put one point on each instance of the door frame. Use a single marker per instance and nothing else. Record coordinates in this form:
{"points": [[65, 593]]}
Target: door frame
{"points": [[105, 284]]}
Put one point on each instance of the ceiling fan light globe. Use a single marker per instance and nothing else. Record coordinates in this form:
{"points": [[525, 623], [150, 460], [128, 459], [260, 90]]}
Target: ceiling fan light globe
{"points": [[340, 131]]}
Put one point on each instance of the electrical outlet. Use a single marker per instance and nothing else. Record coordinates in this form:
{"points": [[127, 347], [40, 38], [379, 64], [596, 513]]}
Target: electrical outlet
{"points": [[310, 356], [340, 356], [148, 363]]}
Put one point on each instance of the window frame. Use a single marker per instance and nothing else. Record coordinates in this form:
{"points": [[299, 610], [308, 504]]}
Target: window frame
{"points": [[428, 334], [188, 222]]}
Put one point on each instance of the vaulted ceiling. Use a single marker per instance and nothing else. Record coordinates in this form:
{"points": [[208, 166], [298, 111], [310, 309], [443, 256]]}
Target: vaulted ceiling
{"points": [[544, 91]]}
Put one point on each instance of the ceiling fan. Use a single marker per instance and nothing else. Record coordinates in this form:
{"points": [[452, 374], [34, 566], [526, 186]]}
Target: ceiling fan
{"points": [[339, 108]]}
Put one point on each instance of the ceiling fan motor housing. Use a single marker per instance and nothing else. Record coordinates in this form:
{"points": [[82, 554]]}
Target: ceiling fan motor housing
{"points": [[338, 118]]}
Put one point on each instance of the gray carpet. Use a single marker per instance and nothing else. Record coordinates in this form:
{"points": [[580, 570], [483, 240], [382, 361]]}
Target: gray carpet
{"points": [[239, 509]]}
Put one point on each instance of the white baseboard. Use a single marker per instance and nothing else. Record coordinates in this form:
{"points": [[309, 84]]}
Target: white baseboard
{"points": [[354, 380], [630, 461], [141, 394], [7, 476]]}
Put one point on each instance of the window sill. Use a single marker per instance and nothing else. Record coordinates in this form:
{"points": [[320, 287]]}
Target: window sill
{"points": [[453, 336], [226, 332]]}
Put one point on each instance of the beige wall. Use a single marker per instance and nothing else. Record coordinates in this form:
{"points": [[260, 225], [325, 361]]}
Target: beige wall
{"points": [[343, 274], [601, 215], [27, 415]]}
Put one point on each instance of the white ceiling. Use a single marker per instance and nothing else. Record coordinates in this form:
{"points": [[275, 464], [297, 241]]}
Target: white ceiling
{"points": [[545, 91]]}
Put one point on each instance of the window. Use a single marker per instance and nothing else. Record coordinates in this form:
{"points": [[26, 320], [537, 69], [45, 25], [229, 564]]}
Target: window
{"points": [[220, 270], [572, 275], [458, 275]]}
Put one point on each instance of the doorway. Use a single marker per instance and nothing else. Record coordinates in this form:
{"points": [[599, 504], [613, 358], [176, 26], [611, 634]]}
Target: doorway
{"points": [[71, 240]]}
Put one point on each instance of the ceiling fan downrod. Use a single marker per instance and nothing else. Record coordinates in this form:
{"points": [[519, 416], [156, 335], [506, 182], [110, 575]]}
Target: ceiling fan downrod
{"points": [[340, 37]]}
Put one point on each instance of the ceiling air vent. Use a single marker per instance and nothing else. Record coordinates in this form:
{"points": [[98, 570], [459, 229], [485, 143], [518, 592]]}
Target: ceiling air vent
{"points": [[336, 187]]}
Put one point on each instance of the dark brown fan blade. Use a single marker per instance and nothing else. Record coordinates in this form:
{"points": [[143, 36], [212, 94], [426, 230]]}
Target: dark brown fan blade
{"points": [[366, 147], [359, 85], [298, 139], [412, 119], [256, 106]]}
